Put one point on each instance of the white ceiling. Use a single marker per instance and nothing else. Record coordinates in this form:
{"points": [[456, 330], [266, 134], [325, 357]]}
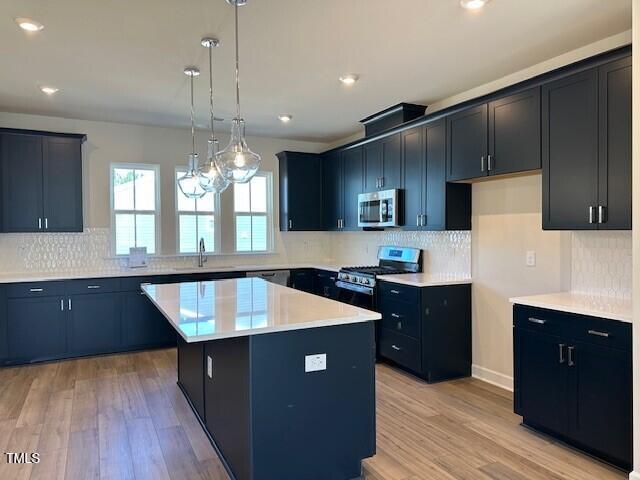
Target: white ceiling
{"points": [[122, 61]]}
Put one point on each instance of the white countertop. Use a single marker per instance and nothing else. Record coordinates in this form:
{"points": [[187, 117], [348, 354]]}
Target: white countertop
{"points": [[424, 279], [149, 271], [202, 311], [583, 304]]}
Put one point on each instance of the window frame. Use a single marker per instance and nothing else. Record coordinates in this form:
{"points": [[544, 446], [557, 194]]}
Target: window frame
{"points": [[268, 214], [157, 212], [217, 211]]}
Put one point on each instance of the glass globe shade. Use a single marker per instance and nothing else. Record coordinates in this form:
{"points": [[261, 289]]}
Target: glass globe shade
{"points": [[237, 163]]}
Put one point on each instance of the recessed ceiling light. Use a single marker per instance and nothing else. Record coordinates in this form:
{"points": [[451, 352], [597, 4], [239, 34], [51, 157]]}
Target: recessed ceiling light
{"points": [[473, 4], [285, 118], [28, 24], [349, 79], [48, 90]]}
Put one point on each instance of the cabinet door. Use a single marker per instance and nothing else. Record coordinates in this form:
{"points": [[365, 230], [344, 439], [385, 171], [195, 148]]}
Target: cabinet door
{"points": [[570, 152], [4, 346], [514, 133], [435, 137], [353, 168], [600, 412], [391, 162], [36, 329], [142, 323], [331, 191], [300, 191], [94, 323], [413, 178], [614, 190], [373, 169], [467, 154], [303, 279], [62, 184], [21, 183], [543, 380]]}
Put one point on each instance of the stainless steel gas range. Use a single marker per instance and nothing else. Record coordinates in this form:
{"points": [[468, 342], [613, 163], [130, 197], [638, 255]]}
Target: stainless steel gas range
{"points": [[357, 285]]}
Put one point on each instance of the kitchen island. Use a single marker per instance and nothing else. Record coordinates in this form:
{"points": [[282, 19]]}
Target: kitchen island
{"points": [[282, 381]]}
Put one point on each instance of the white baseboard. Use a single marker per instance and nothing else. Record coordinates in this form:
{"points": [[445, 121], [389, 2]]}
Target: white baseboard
{"points": [[634, 475], [494, 378]]}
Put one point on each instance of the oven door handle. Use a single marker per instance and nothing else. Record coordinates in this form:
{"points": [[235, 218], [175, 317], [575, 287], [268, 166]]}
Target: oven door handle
{"points": [[355, 288]]}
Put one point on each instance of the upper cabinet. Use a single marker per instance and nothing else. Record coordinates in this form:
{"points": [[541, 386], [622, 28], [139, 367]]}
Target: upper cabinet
{"points": [[300, 191], [332, 199], [41, 181], [495, 138], [382, 164], [353, 185], [586, 149]]}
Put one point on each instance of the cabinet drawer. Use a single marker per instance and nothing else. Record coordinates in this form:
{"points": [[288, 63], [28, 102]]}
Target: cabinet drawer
{"points": [[401, 317], [35, 289], [93, 285], [401, 349], [395, 291], [600, 331], [541, 320]]}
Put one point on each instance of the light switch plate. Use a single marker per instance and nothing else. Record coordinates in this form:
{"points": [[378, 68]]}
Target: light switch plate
{"points": [[209, 366], [531, 258], [315, 363]]}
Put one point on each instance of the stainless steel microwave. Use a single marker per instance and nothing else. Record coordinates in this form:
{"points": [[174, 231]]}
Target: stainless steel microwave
{"points": [[378, 209]]}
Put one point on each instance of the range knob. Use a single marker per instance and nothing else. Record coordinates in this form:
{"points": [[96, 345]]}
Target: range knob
{"points": [[366, 281]]}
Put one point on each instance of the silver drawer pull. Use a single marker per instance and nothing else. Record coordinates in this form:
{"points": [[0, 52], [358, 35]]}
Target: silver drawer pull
{"points": [[396, 348], [35, 290], [93, 287], [395, 292], [395, 315], [598, 334], [539, 321]]}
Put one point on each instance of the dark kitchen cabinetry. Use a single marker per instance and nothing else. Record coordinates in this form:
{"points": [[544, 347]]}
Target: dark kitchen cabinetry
{"points": [[300, 191], [586, 150], [353, 179], [332, 186], [93, 323], [142, 323], [430, 203], [572, 379], [41, 181], [4, 346], [426, 331], [303, 279], [382, 164], [495, 138], [325, 284]]}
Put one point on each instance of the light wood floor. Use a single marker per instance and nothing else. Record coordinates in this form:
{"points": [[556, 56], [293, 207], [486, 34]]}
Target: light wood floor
{"points": [[123, 417]]}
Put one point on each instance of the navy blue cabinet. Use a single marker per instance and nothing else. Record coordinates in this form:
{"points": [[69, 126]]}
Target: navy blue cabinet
{"points": [[325, 284], [302, 279], [143, 325], [572, 379], [467, 136], [93, 323], [300, 179], [51, 199], [332, 187], [382, 164], [426, 331], [353, 182], [4, 346]]}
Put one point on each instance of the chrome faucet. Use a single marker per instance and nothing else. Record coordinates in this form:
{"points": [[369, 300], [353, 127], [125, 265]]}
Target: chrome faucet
{"points": [[201, 257]]}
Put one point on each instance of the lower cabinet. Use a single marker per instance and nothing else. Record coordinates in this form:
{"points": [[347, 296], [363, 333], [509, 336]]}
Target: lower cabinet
{"points": [[573, 380], [142, 323], [303, 279], [427, 330], [93, 323], [325, 284]]}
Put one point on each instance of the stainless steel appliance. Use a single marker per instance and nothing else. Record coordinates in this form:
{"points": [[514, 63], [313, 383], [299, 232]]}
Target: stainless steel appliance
{"points": [[378, 209], [281, 277], [357, 285]]}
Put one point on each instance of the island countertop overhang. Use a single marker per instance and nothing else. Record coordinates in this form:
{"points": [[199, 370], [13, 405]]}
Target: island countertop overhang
{"points": [[212, 310]]}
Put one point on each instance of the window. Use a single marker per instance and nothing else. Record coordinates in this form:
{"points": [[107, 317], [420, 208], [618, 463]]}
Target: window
{"points": [[253, 214], [135, 208], [195, 220]]}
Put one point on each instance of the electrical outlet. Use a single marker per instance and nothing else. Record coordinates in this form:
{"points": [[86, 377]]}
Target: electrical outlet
{"points": [[315, 363], [531, 258], [209, 366]]}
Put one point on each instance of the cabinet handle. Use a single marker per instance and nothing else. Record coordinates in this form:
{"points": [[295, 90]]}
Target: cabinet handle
{"points": [[598, 334], [61, 305], [601, 217], [396, 348], [489, 166], [570, 360], [395, 315], [381, 182], [424, 220], [592, 218], [418, 220], [69, 304], [46, 223], [561, 358], [395, 292], [35, 290], [93, 287], [290, 223], [39, 224], [539, 321], [399, 326], [482, 163], [141, 293]]}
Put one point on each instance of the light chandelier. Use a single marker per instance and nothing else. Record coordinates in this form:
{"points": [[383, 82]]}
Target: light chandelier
{"points": [[237, 163]]}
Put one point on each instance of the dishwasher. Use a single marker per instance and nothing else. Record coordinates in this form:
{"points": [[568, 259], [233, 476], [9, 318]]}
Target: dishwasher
{"points": [[281, 277]]}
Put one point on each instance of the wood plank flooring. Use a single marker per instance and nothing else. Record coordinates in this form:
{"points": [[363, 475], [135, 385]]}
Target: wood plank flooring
{"points": [[123, 417]]}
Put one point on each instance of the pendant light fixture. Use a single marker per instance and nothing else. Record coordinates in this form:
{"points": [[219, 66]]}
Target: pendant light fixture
{"points": [[190, 182], [237, 163], [212, 179]]}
